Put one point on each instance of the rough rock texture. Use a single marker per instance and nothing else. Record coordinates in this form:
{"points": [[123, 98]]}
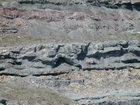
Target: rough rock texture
{"points": [[94, 87], [78, 71], [97, 64], [71, 20], [100, 56]]}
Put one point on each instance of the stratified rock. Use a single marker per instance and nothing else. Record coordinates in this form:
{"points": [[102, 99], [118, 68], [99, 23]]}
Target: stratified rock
{"points": [[8, 30], [106, 55], [89, 67]]}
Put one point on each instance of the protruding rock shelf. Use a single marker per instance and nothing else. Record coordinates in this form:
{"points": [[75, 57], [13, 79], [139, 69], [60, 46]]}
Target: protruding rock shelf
{"points": [[97, 62], [43, 59]]}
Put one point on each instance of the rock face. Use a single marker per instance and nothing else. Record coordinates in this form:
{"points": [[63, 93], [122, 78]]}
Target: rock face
{"points": [[88, 73], [71, 20], [98, 62], [99, 56]]}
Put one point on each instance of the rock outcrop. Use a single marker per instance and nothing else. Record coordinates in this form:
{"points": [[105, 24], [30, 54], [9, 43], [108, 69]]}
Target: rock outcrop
{"points": [[98, 62], [88, 73], [44, 58], [71, 21]]}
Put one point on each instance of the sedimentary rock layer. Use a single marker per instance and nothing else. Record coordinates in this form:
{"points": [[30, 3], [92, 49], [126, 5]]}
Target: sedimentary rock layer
{"points": [[42, 59], [71, 21], [90, 68]]}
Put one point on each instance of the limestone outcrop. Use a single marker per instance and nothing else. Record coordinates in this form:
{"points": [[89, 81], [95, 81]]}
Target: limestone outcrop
{"points": [[88, 73], [86, 50], [57, 59], [40, 59]]}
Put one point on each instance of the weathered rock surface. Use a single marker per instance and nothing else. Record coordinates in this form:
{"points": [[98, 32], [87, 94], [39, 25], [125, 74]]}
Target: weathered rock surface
{"points": [[107, 3], [102, 72], [71, 21], [88, 73], [40, 59], [85, 87]]}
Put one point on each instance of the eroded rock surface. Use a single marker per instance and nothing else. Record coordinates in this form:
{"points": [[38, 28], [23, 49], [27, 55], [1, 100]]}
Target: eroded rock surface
{"points": [[88, 73], [84, 87], [39, 59], [89, 67], [71, 21]]}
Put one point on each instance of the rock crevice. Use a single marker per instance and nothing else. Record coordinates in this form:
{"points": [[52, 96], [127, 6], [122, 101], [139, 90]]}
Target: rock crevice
{"points": [[115, 55]]}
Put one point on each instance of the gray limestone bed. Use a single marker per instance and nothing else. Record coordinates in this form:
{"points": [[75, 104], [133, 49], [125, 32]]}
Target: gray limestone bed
{"points": [[97, 62], [38, 59], [88, 73]]}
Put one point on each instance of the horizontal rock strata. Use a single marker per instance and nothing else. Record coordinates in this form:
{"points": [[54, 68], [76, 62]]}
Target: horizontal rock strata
{"points": [[42, 59], [90, 68], [71, 21]]}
